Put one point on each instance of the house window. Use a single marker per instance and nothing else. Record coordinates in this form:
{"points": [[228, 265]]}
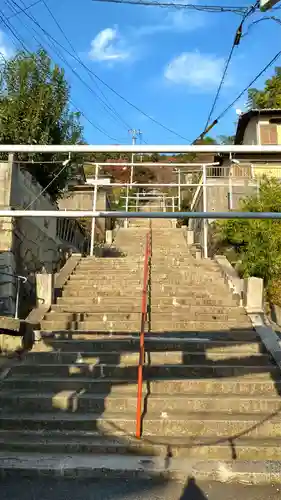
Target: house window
{"points": [[268, 134]]}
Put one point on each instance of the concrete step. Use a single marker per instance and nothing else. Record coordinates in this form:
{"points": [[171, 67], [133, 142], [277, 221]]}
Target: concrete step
{"points": [[158, 291], [135, 308], [185, 261], [72, 442], [174, 314], [127, 278], [186, 288], [169, 269], [96, 281], [226, 335], [209, 369], [129, 467], [192, 300], [200, 338], [202, 424], [152, 357], [208, 345], [157, 262], [52, 402], [168, 277], [157, 325], [260, 384]]}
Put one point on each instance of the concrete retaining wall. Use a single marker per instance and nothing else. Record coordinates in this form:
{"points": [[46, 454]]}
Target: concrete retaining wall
{"points": [[27, 245]]}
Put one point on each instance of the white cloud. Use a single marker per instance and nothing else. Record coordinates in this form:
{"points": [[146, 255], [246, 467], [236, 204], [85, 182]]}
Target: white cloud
{"points": [[5, 50], [196, 70], [109, 46], [176, 20]]}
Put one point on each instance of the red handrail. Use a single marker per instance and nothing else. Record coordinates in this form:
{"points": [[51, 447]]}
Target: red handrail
{"points": [[144, 305]]}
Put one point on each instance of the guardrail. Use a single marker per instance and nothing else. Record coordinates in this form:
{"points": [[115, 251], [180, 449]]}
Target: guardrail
{"points": [[71, 232], [144, 311], [19, 279]]}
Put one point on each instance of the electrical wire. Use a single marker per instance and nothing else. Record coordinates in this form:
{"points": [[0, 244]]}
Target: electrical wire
{"points": [[61, 170], [26, 8], [221, 115], [109, 107], [250, 84], [267, 18], [9, 27], [100, 79], [59, 54], [202, 8], [236, 42], [97, 127]]}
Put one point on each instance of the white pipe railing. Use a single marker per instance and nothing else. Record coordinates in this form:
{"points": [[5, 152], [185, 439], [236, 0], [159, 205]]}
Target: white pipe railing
{"points": [[205, 208], [73, 214], [139, 148], [154, 164]]}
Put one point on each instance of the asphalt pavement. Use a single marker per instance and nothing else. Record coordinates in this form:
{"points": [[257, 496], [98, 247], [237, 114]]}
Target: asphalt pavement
{"points": [[133, 489]]}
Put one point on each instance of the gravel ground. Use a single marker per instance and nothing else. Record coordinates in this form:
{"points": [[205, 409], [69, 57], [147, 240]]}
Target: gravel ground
{"points": [[57, 489]]}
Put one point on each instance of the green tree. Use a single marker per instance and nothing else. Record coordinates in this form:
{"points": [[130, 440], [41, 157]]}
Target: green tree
{"points": [[257, 243], [155, 157], [226, 139], [270, 96], [34, 109]]}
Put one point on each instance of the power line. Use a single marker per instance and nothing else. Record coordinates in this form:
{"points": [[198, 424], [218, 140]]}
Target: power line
{"points": [[250, 84], [83, 114], [9, 27], [267, 18], [202, 8], [100, 129], [100, 79], [26, 8], [97, 127], [109, 107], [221, 115], [236, 42], [60, 170]]}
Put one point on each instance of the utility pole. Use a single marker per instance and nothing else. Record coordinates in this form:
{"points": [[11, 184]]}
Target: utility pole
{"points": [[267, 4], [135, 134]]}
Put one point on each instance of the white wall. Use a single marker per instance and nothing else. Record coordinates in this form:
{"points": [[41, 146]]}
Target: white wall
{"points": [[251, 136]]}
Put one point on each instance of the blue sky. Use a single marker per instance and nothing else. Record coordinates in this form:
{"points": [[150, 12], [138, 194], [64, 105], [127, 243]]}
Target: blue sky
{"points": [[168, 62]]}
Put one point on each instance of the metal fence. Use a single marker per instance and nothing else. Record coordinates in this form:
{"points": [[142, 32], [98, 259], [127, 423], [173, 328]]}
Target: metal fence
{"points": [[199, 178]]}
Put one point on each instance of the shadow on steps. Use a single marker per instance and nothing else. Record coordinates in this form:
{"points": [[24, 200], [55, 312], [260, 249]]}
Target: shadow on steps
{"points": [[89, 387], [192, 491]]}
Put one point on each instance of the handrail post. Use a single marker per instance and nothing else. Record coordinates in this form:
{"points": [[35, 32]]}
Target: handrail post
{"points": [[95, 195], [142, 332], [17, 297], [18, 283], [205, 221]]}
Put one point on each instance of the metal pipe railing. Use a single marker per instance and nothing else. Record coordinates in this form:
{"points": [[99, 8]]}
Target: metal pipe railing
{"points": [[120, 214], [18, 279], [140, 148], [144, 308]]}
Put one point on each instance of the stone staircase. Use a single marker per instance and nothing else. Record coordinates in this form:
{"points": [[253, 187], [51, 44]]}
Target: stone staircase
{"points": [[211, 393]]}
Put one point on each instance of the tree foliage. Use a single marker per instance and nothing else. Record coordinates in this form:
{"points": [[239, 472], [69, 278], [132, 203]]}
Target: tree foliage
{"points": [[270, 96], [226, 139], [34, 109], [257, 243]]}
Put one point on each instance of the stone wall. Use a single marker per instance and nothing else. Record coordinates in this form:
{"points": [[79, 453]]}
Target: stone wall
{"points": [[27, 245], [82, 199]]}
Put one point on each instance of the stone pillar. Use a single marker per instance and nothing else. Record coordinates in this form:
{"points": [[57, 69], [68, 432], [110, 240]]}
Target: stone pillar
{"points": [[109, 237], [44, 289], [7, 258], [190, 237], [198, 253], [253, 295]]}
